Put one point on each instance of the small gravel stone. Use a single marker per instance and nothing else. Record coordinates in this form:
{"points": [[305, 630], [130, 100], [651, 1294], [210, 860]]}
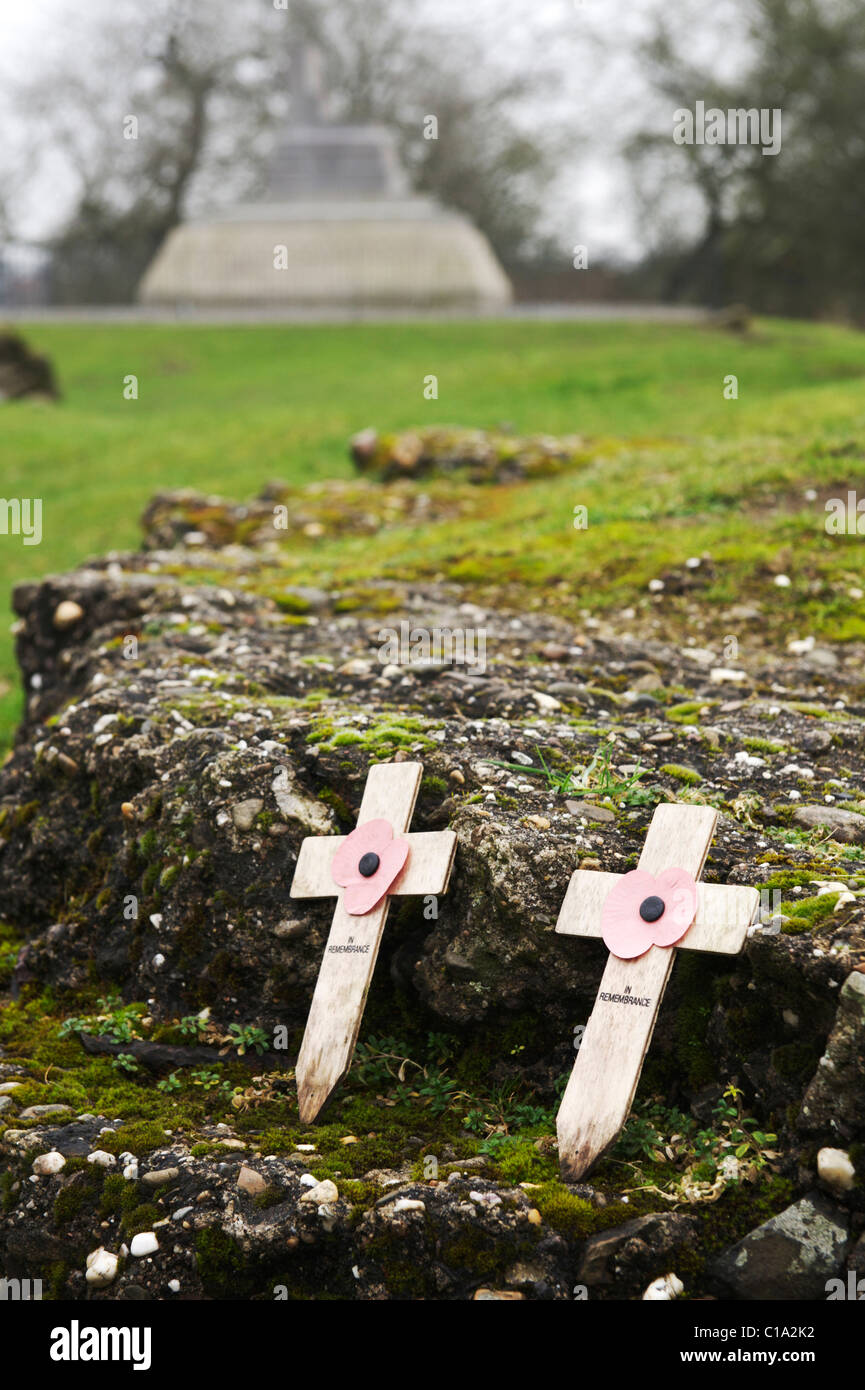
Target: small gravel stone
{"points": [[49, 1163], [243, 813], [590, 812], [101, 1268], [66, 614], [145, 1243], [37, 1112], [323, 1192], [251, 1182], [104, 1159], [836, 1169], [158, 1177]]}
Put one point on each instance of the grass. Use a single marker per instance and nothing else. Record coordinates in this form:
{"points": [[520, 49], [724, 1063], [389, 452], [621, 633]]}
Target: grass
{"points": [[598, 779], [677, 466]]}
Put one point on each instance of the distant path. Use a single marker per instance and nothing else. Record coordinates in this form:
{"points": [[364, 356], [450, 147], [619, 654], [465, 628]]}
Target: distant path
{"points": [[133, 313]]}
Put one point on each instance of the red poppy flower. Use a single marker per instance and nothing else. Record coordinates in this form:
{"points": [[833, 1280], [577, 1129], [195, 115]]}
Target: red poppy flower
{"points": [[366, 864], [643, 910]]}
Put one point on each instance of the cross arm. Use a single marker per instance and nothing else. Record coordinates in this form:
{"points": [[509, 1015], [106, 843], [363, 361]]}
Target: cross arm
{"points": [[724, 912], [427, 869]]}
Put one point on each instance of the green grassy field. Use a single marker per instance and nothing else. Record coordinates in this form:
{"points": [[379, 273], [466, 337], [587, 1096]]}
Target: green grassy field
{"points": [[226, 409]]}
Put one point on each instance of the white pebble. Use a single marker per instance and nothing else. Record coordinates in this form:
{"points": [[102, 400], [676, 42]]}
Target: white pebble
{"points": [[145, 1243], [49, 1163], [664, 1290], [835, 1169], [105, 1160], [101, 1267]]}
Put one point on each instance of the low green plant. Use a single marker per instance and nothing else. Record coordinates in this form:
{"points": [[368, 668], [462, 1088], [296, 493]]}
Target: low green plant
{"points": [[598, 779], [247, 1036], [125, 1061], [195, 1026], [703, 1160], [116, 1021], [209, 1079]]}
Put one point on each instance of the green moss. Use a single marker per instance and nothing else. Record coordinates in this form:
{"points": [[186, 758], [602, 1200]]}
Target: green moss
{"points": [[687, 712], [291, 603], [404, 1277], [169, 876], [271, 1197], [148, 844], [789, 878], [478, 1252], [435, 786], [221, 1265], [338, 805], [82, 1191], [150, 878], [568, 1214], [808, 913], [763, 745], [362, 1195], [749, 1024], [137, 1137], [7, 1196], [741, 1209], [114, 1190], [517, 1160], [141, 1217], [55, 1284], [796, 1061], [682, 774], [694, 1057], [804, 707]]}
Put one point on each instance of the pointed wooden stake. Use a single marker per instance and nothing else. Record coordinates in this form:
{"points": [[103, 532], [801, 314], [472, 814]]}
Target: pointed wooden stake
{"points": [[352, 946], [602, 1085]]}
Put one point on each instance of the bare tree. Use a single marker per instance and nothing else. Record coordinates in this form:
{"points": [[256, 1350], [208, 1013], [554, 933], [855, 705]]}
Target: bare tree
{"points": [[782, 233], [151, 113]]}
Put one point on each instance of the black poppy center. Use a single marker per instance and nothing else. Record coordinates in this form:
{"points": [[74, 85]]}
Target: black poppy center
{"points": [[370, 861], [650, 908]]}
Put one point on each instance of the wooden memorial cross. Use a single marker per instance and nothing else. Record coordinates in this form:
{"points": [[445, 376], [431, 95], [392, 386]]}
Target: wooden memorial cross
{"points": [[362, 870], [642, 916]]}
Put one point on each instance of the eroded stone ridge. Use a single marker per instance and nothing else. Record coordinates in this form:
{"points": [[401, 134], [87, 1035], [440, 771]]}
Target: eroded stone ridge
{"points": [[183, 733]]}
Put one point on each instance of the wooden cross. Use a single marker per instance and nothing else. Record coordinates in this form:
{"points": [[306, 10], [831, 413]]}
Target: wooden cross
{"points": [[352, 946], [604, 1080]]}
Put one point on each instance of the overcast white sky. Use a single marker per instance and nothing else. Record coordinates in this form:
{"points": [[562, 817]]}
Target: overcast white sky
{"points": [[608, 97]]}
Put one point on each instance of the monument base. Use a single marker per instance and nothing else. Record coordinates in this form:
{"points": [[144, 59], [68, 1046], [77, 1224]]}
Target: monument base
{"points": [[329, 255]]}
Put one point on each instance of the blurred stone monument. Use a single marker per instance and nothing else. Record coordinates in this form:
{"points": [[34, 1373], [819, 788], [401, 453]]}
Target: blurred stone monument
{"points": [[337, 228]]}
